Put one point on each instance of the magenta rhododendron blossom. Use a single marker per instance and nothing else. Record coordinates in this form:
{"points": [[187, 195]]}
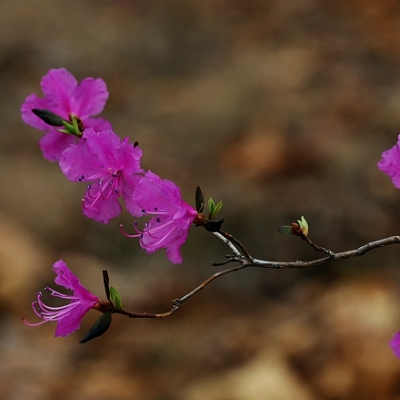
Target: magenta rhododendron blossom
{"points": [[67, 99], [395, 344], [69, 316], [172, 216], [111, 165], [390, 163]]}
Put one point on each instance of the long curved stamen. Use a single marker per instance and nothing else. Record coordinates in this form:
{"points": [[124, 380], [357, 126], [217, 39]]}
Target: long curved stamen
{"points": [[92, 178], [45, 310], [104, 191], [139, 232], [35, 310], [55, 293], [48, 313], [161, 239], [56, 315], [156, 212], [106, 188], [35, 324], [151, 231], [121, 228]]}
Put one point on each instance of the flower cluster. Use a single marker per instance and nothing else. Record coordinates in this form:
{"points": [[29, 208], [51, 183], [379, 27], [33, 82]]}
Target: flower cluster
{"points": [[111, 165], [89, 151]]}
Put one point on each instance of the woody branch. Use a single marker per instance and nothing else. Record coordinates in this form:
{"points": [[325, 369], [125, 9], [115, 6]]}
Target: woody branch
{"points": [[244, 260]]}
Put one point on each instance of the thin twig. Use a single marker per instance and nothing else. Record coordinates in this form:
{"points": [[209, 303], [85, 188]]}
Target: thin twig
{"points": [[252, 262], [316, 247], [178, 302], [228, 242], [238, 243], [343, 255]]}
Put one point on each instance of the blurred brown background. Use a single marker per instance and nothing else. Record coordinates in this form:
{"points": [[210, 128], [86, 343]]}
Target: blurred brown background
{"points": [[281, 108]]}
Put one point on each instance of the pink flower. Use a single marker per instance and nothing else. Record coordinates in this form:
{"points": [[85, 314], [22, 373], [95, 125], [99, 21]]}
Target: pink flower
{"points": [[172, 216], [69, 316], [390, 163], [395, 344], [113, 167], [65, 98]]}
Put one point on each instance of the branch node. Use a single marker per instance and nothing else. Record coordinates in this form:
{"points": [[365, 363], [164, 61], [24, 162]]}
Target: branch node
{"points": [[176, 303], [363, 249], [330, 253]]}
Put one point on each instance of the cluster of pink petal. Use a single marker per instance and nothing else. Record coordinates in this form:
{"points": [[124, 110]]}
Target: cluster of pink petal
{"points": [[390, 163], [69, 316], [111, 165], [395, 344], [172, 217]]}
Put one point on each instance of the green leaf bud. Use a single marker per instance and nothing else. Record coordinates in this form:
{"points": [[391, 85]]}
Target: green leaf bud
{"points": [[303, 225], [115, 298], [285, 230]]}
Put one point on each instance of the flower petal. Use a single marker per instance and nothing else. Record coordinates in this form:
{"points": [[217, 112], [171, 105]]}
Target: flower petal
{"points": [[77, 164], [91, 96], [53, 143], [155, 193], [97, 124], [169, 228], [128, 189], [395, 344], [72, 321], [390, 164], [174, 254], [66, 278], [59, 87], [105, 146], [31, 102]]}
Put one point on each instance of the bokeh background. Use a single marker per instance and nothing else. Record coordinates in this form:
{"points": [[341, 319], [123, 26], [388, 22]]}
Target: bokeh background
{"points": [[280, 108]]}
